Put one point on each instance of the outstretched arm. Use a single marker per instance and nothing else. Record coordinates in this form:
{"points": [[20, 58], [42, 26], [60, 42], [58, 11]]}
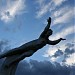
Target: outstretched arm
{"points": [[55, 41], [46, 28]]}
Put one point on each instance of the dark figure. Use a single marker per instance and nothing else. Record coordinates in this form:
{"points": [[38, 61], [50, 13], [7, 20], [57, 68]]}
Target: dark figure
{"points": [[14, 56]]}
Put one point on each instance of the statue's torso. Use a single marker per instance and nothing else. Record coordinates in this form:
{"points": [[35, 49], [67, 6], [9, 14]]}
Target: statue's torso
{"points": [[34, 45]]}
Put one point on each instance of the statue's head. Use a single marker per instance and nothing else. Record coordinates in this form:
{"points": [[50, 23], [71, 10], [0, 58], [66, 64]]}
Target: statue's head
{"points": [[49, 32]]}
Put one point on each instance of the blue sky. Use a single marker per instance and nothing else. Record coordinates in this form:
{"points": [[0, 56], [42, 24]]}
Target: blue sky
{"points": [[24, 20]]}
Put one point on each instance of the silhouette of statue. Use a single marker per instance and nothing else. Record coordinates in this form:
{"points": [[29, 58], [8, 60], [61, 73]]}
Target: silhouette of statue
{"points": [[14, 56]]}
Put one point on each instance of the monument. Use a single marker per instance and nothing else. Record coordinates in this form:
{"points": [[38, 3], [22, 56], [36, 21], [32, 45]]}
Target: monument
{"points": [[14, 56]]}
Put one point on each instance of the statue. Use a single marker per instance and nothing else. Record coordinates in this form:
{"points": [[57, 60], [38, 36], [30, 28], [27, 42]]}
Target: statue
{"points": [[14, 56]]}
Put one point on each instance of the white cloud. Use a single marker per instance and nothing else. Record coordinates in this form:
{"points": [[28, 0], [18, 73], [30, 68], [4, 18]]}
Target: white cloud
{"points": [[40, 2], [63, 16], [53, 59], [11, 9], [50, 51], [63, 33], [70, 60], [58, 2], [44, 8], [60, 12], [47, 7]]}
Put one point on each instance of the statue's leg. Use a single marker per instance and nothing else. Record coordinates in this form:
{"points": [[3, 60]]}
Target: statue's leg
{"points": [[13, 68], [8, 70], [10, 64], [20, 57]]}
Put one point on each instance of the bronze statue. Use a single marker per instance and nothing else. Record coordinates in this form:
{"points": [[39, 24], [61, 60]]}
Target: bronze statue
{"points": [[14, 56]]}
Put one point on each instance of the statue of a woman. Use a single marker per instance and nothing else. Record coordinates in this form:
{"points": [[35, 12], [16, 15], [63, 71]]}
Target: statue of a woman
{"points": [[14, 56]]}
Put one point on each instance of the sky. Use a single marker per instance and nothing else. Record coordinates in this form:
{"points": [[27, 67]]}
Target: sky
{"points": [[23, 20]]}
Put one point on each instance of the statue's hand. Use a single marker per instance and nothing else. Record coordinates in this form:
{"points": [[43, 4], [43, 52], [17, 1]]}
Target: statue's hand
{"points": [[49, 20], [62, 39]]}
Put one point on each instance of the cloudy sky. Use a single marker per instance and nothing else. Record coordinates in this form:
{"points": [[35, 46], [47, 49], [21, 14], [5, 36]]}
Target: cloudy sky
{"points": [[24, 20]]}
